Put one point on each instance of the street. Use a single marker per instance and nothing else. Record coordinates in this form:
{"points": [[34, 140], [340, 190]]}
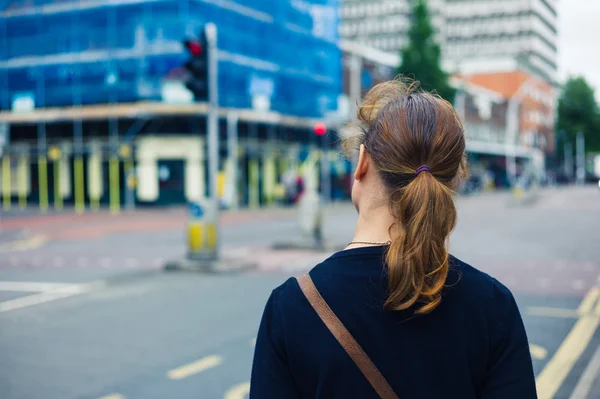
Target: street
{"points": [[86, 311]]}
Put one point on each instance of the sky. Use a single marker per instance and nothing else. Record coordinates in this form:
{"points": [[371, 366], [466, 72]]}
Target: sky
{"points": [[579, 41]]}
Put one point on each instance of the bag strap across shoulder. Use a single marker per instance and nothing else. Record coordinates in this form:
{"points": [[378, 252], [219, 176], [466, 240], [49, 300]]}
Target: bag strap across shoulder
{"points": [[346, 340]]}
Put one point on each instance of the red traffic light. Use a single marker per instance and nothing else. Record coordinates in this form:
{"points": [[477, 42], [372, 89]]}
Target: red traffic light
{"points": [[193, 47], [320, 128]]}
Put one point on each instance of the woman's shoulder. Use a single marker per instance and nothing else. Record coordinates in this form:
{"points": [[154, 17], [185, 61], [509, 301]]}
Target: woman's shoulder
{"points": [[476, 286]]}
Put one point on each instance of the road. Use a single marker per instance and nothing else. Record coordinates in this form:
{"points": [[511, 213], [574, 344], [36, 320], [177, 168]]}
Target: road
{"points": [[86, 311]]}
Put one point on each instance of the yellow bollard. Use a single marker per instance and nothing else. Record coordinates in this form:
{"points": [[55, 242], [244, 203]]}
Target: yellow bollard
{"points": [[195, 237], [6, 189], [43, 182], [212, 236], [22, 178], [114, 184], [79, 184]]}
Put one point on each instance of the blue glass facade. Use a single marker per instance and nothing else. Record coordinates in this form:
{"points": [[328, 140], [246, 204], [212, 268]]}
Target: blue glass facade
{"points": [[61, 53]]}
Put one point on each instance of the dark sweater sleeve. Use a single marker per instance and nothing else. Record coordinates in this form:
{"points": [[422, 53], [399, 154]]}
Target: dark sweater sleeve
{"points": [[271, 376], [510, 371]]}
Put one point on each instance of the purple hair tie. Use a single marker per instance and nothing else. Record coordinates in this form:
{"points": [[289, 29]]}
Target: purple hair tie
{"points": [[422, 168]]}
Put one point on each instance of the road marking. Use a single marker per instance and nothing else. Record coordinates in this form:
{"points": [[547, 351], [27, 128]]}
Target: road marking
{"points": [[27, 286], [538, 352], [557, 369], [552, 312], [131, 262], [195, 367], [588, 378], [49, 296], [544, 282], [238, 392], [58, 261], [113, 396], [24, 245], [578, 284], [105, 262], [587, 304]]}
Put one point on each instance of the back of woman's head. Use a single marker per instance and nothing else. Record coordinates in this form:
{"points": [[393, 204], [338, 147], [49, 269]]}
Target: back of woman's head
{"points": [[416, 142]]}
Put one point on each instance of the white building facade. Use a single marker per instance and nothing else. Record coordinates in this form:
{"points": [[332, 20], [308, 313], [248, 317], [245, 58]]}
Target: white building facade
{"points": [[475, 35]]}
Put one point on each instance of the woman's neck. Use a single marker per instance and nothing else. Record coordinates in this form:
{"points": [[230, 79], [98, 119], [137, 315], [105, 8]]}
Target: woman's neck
{"points": [[373, 226]]}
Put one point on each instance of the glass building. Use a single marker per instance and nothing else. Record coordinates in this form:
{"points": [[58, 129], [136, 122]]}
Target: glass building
{"points": [[56, 53]]}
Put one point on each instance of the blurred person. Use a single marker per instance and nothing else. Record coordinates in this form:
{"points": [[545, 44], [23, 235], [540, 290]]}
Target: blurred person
{"points": [[394, 315]]}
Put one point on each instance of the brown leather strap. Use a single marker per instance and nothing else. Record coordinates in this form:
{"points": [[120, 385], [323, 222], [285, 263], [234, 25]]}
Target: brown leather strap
{"points": [[343, 336]]}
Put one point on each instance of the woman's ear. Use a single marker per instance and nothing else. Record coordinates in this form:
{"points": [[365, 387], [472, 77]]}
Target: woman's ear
{"points": [[363, 163]]}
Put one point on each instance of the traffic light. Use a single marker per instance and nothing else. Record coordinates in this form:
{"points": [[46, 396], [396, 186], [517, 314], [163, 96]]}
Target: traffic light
{"points": [[320, 129], [197, 67]]}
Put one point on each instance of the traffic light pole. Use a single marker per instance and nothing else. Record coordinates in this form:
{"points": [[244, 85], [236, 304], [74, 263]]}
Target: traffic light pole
{"points": [[212, 127]]}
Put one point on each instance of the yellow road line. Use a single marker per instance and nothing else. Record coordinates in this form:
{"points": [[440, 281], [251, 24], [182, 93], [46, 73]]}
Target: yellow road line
{"points": [[195, 367], [238, 392], [557, 369], [538, 352], [587, 304], [552, 312], [113, 396]]}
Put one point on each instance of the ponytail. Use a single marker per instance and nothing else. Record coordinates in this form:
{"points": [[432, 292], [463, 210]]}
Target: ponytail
{"points": [[417, 144], [417, 258]]}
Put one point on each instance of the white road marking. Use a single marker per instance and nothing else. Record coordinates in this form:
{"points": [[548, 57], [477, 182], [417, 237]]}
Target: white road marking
{"points": [[27, 286], [131, 262], [544, 282], [239, 391], [586, 382], [538, 352], [560, 265], [195, 367], [578, 285], [113, 396], [158, 262], [105, 262], [82, 261], [60, 292], [58, 261]]}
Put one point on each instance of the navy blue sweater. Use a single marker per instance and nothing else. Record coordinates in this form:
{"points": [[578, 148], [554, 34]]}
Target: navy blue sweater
{"points": [[473, 345]]}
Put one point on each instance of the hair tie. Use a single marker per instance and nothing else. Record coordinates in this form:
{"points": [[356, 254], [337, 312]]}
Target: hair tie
{"points": [[422, 168]]}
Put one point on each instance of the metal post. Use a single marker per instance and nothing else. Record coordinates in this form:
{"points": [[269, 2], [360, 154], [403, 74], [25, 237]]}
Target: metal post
{"points": [[355, 89], [512, 126], [232, 150], [325, 171], [213, 132], [569, 161], [580, 158]]}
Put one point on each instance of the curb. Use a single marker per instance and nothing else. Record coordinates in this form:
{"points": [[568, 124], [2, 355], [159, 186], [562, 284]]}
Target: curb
{"points": [[222, 266]]}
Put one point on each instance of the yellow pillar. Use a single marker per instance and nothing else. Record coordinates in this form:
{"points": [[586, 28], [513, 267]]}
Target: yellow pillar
{"points": [[22, 181], [253, 175], [43, 182], [6, 189], [114, 184], [78, 184], [269, 178], [58, 200]]}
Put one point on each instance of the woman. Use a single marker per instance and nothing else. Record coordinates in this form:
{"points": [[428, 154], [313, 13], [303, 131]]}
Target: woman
{"points": [[413, 321]]}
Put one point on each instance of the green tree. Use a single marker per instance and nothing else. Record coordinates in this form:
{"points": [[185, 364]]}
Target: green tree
{"points": [[578, 112], [421, 57]]}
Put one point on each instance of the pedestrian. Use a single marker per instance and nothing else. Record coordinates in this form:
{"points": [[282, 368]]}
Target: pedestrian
{"points": [[394, 315]]}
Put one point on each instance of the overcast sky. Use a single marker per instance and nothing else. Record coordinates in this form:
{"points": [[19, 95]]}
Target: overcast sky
{"points": [[579, 40]]}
